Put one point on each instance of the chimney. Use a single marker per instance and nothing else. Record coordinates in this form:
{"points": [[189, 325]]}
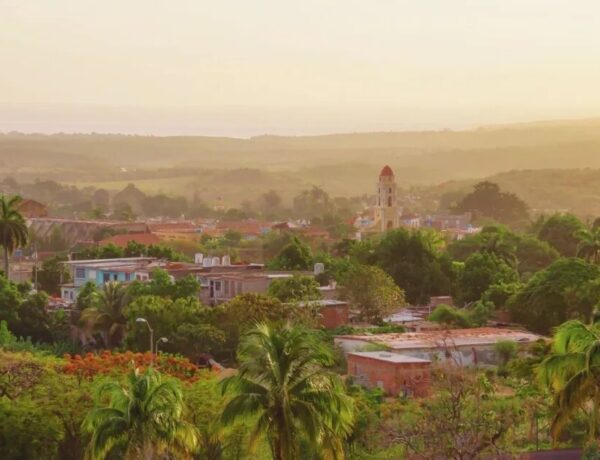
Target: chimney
{"points": [[216, 262], [198, 258], [226, 261]]}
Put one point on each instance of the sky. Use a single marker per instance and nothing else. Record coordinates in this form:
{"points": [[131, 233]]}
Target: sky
{"points": [[242, 68]]}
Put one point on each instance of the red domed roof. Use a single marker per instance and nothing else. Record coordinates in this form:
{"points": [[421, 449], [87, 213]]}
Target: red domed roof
{"points": [[386, 172]]}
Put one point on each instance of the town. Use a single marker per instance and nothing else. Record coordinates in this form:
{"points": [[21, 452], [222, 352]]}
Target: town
{"points": [[409, 302], [315, 230]]}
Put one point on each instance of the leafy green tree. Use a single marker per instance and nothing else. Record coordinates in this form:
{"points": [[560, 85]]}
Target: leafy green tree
{"points": [[110, 251], [533, 255], [372, 291], [87, 296], [571, 373], [481, 270], [407, 256], [134, 249], [27, 431], [107, 315], [143, 419], [283, 383], [487, 201], [245, 310], [296, 288], [10, 299], [464, 415], [545, 301], [506, 350], [161, 284], [13, 229], [560, 231], [34, 318], [294, 256], [312, 203], [449, 317], [205, 402], [500, 294], [53, 272], [589, 245], [189, 327]]}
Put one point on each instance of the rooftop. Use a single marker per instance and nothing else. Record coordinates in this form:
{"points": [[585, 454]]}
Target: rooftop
{"points": [[140, 238], [452, 337], [388, 357], [121, 263], [323, 303], [386, 172]]}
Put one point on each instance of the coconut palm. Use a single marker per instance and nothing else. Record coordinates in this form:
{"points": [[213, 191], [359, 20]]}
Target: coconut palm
{"points": [[572, 372], [13, 229], [283, 385], [589, 244], [142, 420], [106, 316]]}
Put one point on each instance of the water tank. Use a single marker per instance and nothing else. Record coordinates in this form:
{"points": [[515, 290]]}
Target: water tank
{"points": [[226, 261], [216, 261], [319, 268], [198, 258]]}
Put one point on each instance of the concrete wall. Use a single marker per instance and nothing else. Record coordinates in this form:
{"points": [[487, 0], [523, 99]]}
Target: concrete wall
{"points": [[393, 378]]}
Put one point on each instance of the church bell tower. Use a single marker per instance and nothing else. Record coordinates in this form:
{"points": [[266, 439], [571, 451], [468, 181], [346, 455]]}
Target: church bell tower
{"points": [[386, 208]]}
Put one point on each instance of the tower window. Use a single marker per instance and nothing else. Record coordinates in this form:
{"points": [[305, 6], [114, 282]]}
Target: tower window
{"points": [[389, 201]]}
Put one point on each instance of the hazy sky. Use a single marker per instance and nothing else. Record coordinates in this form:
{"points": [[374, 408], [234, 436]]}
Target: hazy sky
{"points": [[243, 67]]}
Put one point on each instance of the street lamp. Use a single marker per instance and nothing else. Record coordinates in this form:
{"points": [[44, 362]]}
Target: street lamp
{"points": [[144, 320], [161, 340]]}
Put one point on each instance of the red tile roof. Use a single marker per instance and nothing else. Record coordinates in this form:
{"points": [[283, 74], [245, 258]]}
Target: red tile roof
{"points": [[122, 240], [386, 172]]}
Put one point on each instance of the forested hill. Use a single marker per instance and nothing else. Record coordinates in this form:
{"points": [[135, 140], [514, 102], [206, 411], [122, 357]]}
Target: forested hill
{"points": [[545, 190], [426, 157]]}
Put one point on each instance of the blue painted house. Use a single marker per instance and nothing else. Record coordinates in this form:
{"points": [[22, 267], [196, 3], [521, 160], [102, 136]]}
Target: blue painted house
{"points": [[101, 271]]}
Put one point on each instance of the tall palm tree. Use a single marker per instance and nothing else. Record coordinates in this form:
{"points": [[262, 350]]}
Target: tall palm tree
{"points": [[284, 385], [589, 244], [106, 316], [142, 420], [572, 373], [13, 229]]}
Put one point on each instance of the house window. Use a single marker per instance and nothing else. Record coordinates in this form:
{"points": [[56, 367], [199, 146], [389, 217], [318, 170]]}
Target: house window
{"points": [[115, 277], [106, 277], [217, 286], [226, 286], [127, 276], [80, 273], [389, 201]]}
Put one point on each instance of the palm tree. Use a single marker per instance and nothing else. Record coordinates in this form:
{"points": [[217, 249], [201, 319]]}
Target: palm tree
{"points": [[13, 229], [589, 244], [572, 372], [142, 420], [106, 316], [284, 386]]}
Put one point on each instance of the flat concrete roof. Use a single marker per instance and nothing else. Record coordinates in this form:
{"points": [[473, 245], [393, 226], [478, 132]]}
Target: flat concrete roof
{"points": [[388, 357], [323, 303], [445, 338]]}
